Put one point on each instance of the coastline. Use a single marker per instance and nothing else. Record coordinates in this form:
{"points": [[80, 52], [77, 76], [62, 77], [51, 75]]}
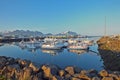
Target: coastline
{"points": [[109, 49], [111, 43]]}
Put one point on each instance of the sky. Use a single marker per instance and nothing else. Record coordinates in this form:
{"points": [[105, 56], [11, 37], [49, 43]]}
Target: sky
{"points": [[86, 17]]}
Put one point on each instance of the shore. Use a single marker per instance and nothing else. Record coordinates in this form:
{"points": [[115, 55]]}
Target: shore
{"points": [[109, 49], [17, 69], [110, 43]]}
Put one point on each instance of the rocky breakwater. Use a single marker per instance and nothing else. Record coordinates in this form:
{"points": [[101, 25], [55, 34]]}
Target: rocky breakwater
{"points": [[109, 43], [109, 48], [17, 69]]}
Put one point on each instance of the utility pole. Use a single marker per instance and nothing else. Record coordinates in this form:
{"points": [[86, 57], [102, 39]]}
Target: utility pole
{"points": [[105, 27]]}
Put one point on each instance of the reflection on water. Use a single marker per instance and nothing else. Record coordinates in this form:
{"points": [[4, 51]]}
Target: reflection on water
{"points": [[49, 51], [78, 51], [32, 50], [1, 44], [52, 52], [24, 47]]}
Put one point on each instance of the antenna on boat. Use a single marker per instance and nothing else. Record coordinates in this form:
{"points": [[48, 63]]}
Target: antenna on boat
{"points": [[105, 27]]}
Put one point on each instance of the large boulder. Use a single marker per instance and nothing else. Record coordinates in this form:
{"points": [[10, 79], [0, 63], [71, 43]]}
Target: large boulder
{"points": [[76, 75], [61, 73], [34, 78], [114, 76], [27, 73], [35, 68], [69, 70], [77, 69], [54, 69], [92, 73], [10, 61], [107, 78], [103, 73], [23, 63], [68, 76], [40, 75], [84, 77], [46, 71], [83, 72], [73, 78], [50, 70], [19, 74], [54, 78], [13, 67]]}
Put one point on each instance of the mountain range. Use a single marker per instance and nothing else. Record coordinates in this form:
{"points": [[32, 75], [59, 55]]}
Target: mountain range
{"points": [[29, 33]]}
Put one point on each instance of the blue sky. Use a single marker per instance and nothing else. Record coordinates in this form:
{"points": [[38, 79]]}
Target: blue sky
{"points": [[86, 17]]}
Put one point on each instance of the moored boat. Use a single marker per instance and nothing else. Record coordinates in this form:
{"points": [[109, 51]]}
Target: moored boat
{"points": [[52, 45], [88, 42], [78, 46]]}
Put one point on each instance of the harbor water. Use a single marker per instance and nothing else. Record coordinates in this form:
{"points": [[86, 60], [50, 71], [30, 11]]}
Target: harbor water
{"points": [[85, 59]]}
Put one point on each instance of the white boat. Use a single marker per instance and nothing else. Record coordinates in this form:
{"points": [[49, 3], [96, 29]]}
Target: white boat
{"points": [[78, 46], [70, 41], [49, 39], [52, 45], [88, 42]]}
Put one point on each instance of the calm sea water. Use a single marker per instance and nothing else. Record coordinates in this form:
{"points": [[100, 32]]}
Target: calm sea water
{"points": [[79, 58]]}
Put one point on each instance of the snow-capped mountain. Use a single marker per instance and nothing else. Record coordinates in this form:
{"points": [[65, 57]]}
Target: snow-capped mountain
{"points": [[68, 33]]}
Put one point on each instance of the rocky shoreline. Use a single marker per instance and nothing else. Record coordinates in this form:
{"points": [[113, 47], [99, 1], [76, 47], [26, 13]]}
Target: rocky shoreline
{"points": [[111, 43], [109, 49], [17, 69]]}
